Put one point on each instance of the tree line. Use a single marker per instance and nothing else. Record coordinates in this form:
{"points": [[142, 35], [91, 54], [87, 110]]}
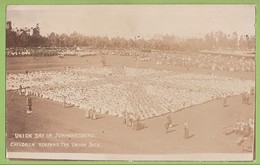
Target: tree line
{"points": [[211, 41]]}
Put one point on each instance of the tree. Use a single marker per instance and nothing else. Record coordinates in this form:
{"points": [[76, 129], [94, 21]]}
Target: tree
{"points": [[233, 41], [53, 39], [24, 40], [242, 43], [36, 38], [211, 41], [11, 38]]}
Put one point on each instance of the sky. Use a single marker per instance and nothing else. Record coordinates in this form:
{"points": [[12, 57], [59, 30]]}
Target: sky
{"points": [[130, 21]]}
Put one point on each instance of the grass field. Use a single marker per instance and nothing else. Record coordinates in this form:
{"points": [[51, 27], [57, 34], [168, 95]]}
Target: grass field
{"points": [[206, 121]]}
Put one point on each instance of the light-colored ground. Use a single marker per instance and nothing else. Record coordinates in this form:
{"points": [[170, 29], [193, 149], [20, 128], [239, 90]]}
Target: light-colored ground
{"points": [[206, 121]]}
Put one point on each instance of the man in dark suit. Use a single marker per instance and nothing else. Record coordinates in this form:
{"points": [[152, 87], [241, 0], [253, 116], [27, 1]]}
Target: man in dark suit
{"points": [[29, 104]]}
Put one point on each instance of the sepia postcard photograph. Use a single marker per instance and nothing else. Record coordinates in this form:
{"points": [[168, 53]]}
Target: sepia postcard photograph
{"points": [[130, 82]]}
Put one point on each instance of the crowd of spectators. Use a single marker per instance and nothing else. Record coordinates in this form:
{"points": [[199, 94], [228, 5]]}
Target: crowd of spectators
{"points": [[189, 60]]}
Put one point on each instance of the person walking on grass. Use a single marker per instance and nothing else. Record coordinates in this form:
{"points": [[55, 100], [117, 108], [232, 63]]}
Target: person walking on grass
{"points": [[136, 122], [247, 98], [87, 114], [20, 90], [128, 120], [93, 114], [29, 104], [168, 123], [186, 134]]}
